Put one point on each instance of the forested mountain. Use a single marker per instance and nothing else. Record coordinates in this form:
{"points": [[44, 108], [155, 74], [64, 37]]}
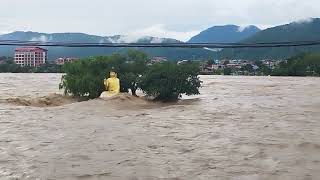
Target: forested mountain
{"points": [[308, 30], [55, 52], [224, 34]]}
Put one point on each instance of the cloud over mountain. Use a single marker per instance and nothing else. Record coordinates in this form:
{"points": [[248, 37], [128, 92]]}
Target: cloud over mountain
{"points": [[178, 19]]}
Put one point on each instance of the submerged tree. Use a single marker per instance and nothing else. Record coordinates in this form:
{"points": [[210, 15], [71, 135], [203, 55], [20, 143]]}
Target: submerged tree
{"points": [[167, 81], [135, 66], [84, 78], [164, 81]]}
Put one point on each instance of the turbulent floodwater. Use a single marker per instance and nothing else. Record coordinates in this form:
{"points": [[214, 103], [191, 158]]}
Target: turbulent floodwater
{"points": [[239, 128]]}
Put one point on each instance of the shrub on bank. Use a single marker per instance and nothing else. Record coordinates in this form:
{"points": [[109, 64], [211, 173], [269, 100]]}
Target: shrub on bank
{"points": [[165, 81]]}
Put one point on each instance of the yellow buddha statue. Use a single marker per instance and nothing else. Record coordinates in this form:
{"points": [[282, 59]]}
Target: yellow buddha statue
{"points": [[112, 85]]}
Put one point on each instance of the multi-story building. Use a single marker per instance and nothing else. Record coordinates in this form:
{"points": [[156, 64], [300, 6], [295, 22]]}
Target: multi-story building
{"points": [[30, 56], [62, 61]]}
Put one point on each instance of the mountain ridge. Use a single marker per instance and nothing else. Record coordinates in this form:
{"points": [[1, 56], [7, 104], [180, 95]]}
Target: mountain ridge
{"points": [[56, 52], [224, 34], [304, 30], [80, 37]]}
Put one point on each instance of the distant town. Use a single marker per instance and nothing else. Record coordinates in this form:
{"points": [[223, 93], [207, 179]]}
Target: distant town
{"points": [[230, 66], [37, 57]]}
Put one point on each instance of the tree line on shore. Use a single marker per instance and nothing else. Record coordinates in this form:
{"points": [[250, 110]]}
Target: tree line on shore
{"points": [[7, 65], [301, 65]]}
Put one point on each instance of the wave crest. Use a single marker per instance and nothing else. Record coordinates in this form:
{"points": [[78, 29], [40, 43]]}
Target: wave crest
{"points": [[51, 100]]}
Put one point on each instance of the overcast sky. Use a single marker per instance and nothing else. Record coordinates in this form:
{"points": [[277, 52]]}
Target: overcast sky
{"points": [[178, 19]]}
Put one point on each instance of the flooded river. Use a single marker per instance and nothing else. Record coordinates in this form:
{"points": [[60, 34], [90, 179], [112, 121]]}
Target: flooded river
{"points": [[239, 128]]}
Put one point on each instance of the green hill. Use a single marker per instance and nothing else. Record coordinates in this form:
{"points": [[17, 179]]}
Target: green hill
{"points": [[224, 34], [308, 30], [55, 52]]}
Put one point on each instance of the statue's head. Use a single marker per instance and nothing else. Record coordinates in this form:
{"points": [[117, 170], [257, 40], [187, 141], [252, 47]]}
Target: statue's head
{"points": [[113, 74]]}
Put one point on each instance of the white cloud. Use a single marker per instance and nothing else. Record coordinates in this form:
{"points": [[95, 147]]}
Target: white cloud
{"points": [[125, 39], [102, 41], [302, 21], [156, 40], [160, 30], [177, 19], [41, 38], [242, 28], [4, 32], [134, 39], [213, 49]]}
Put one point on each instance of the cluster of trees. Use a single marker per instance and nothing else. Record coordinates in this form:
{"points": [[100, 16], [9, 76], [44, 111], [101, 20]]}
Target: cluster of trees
{"points": [[163, 81], [7, 65], [301, 65]]}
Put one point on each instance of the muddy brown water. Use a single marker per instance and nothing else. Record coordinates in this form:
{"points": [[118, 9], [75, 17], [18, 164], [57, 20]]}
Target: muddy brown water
{"points": [[239, 128]]}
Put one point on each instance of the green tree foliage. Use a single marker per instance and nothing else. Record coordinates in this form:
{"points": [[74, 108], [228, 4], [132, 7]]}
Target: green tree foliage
{"points": [[84, 78], [167, 81], [6, 60], [227, 71], [48, 68], [248, 68], [7, 65], [301, 65], [211, 62], [134, 67], [263, 69]]}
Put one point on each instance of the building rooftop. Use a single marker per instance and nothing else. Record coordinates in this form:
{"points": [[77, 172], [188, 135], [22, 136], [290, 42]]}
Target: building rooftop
{"points": [[29, 49]]}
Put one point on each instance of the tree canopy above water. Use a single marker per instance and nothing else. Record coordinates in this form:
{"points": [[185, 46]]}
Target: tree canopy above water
{"points": [[164, 81]]}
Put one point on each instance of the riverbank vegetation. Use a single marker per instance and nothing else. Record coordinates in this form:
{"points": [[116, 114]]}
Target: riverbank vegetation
{"points": [[7, 65], [302, 65], [164, 81]]}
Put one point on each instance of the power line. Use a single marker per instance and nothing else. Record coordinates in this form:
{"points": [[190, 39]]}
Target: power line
{"points": [[160, 45], [278, 42]]}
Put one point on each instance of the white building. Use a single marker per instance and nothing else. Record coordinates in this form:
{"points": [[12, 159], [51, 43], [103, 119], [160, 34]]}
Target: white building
{"points": [[30, 56]]}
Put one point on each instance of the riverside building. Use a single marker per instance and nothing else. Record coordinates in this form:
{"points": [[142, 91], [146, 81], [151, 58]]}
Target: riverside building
{"points": [[30, 56]]}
